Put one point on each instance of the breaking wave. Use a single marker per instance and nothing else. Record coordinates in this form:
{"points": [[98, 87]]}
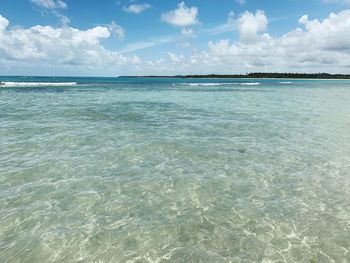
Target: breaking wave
{"points": [[250, 83], [36, 84], [222, 84]]}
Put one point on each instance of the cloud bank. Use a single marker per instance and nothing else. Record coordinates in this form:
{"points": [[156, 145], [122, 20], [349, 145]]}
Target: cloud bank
{"points": [[60, 47], [314, 46]]}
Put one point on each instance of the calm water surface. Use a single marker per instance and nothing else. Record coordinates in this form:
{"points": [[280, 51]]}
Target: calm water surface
{"points": [[172, 170]]}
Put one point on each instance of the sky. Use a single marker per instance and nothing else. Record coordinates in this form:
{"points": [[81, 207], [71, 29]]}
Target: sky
{"points": [[168, 37]]}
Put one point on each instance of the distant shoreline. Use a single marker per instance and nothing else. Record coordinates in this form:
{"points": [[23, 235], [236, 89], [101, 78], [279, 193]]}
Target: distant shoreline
{"points": [[315, 76]]}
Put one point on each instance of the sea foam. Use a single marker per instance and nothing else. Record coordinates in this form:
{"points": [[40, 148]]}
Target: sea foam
{"points": [[222, 84], [36, 84], [207, 84], [250, 83]]}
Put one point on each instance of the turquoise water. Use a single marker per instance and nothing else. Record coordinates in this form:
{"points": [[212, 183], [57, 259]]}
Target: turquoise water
{"points": [[174, 170]]}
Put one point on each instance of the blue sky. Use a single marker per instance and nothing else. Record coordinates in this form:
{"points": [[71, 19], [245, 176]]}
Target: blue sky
{"points": [[111, 37]]}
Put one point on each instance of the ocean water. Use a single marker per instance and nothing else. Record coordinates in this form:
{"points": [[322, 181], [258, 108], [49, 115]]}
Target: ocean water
{"points": [[174, 170]]}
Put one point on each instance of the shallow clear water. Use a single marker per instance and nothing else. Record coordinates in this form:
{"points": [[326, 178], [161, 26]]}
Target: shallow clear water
{"points": [[166, 170]]}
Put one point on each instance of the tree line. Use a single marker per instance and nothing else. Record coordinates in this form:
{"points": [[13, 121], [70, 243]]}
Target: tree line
{"points": [[259, 75]]}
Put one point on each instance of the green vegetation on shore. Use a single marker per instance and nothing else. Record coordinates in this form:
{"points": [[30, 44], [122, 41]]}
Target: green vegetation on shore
{"points": [[259, 75]]}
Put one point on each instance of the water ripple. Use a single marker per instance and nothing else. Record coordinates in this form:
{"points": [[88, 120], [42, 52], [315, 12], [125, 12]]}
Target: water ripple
{"points": [[175, 174]]}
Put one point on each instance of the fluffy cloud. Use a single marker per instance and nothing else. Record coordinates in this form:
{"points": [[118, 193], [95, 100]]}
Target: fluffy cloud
{"points": [[3, 23], [182, 16], [62, 47], [317, 46], [249, 25], [136, 8]]}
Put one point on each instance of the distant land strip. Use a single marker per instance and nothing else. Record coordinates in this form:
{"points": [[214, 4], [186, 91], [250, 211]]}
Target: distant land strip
{"points": [[257, 75]]}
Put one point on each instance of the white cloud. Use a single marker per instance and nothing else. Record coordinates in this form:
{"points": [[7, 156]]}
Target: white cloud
{"points": [[50, 4], [182, 16], [153, 42], [249, 25], [180, 39], [241, 2], [315, 46], [187, 32], [176, 59], [136, 8], [319, 46], [60, 47], [117, 30], [3, 23], [331, 34], [53, 7]]}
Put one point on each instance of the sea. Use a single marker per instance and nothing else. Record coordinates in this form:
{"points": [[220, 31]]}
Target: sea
{"points": [[174, 170]]}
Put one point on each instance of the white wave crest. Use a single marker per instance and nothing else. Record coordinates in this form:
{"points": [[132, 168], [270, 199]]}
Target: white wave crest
{"points": [[206, 84], [285, 82], [36, 84], [250, 83], [220, 84]]}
